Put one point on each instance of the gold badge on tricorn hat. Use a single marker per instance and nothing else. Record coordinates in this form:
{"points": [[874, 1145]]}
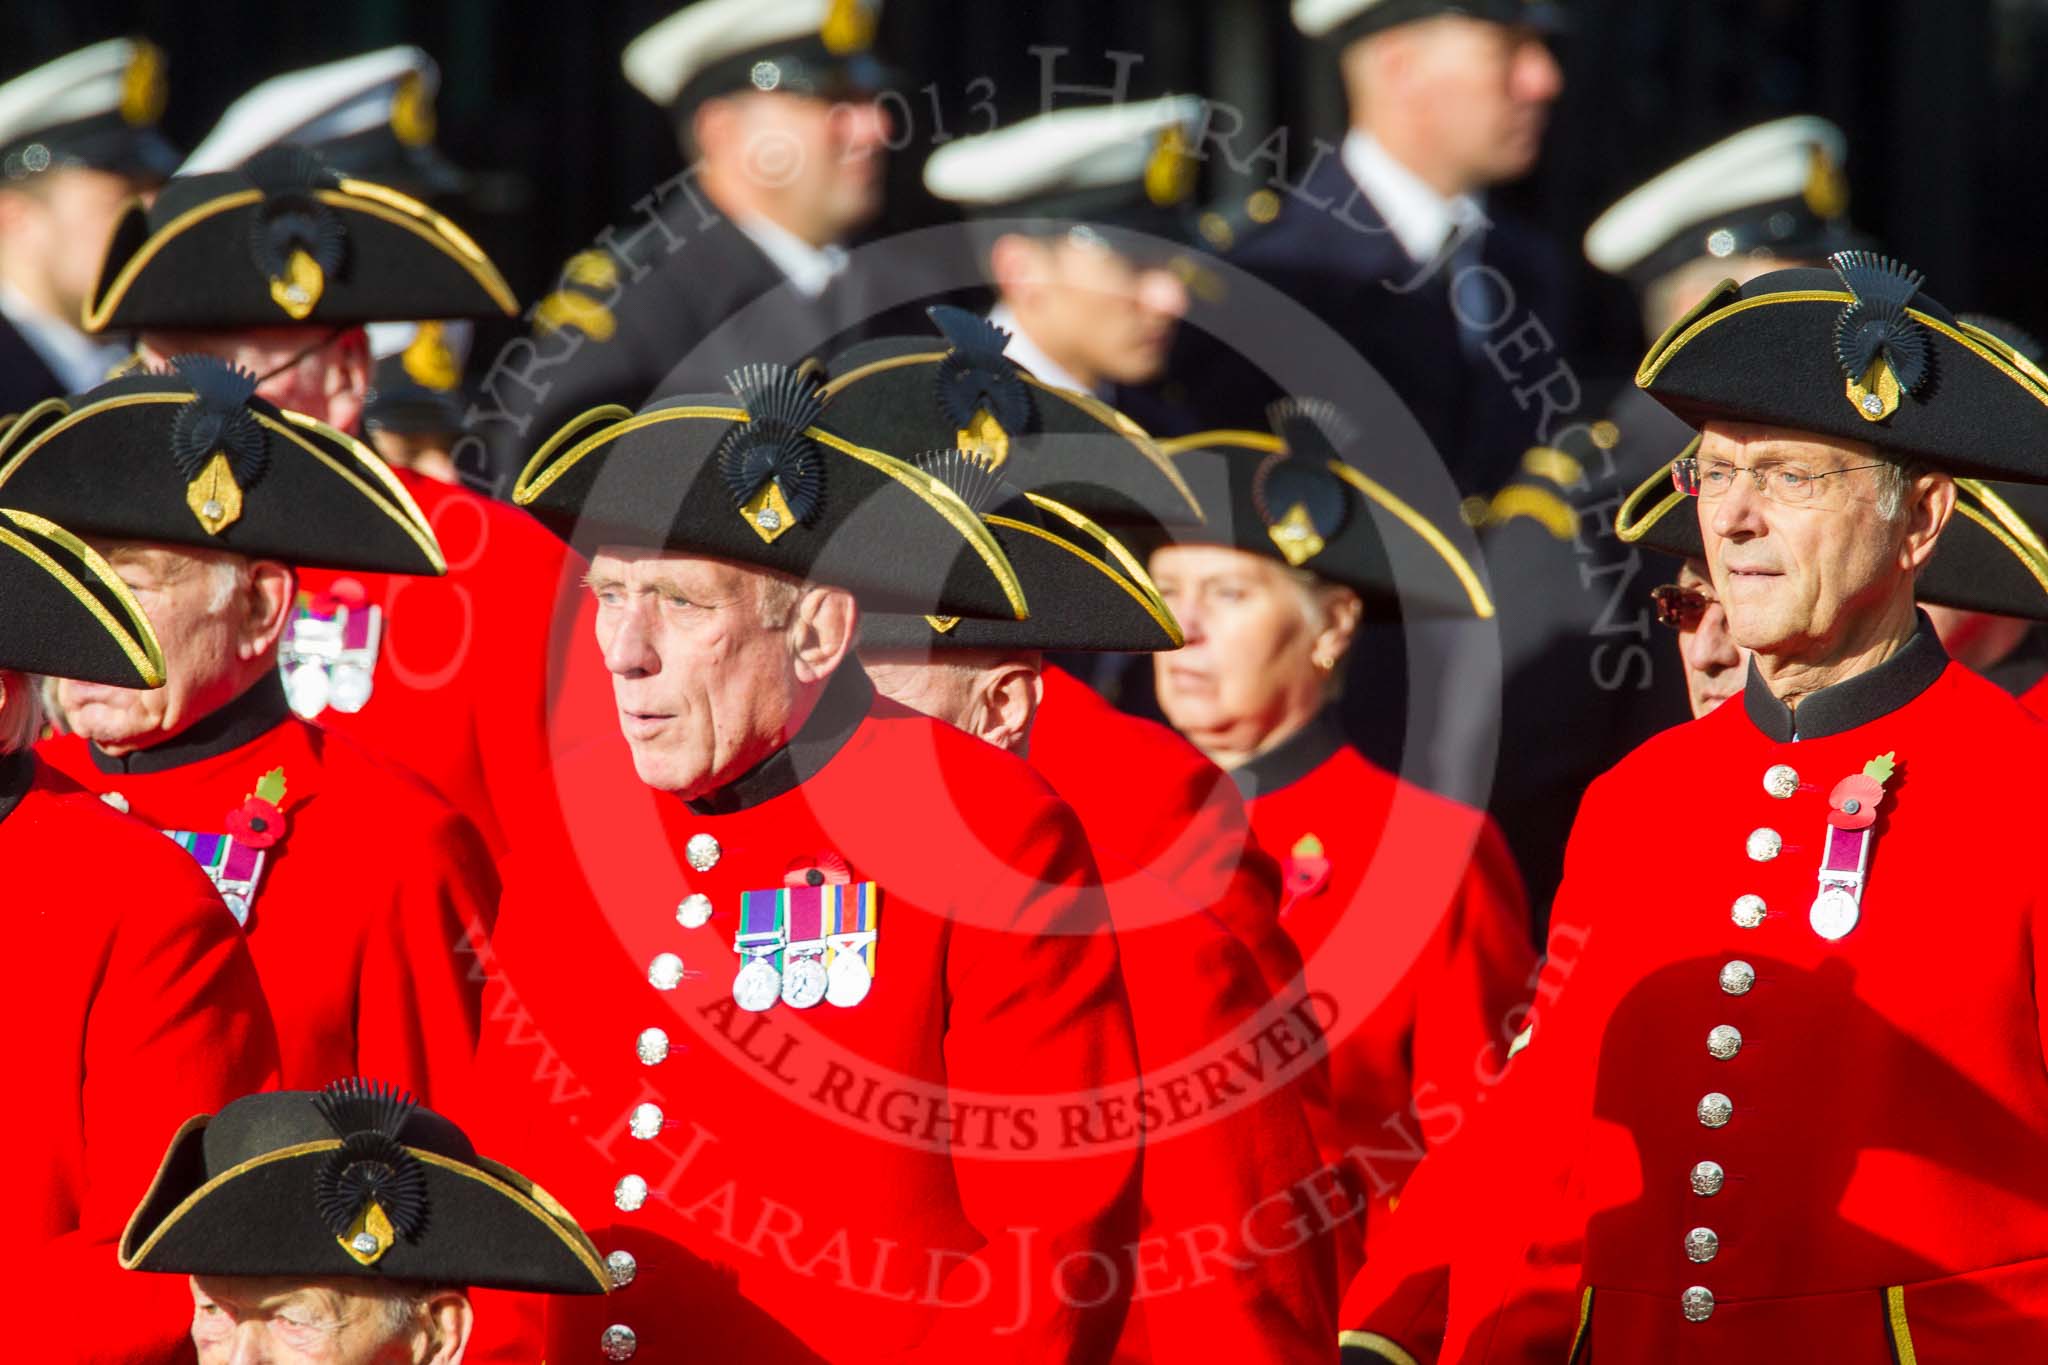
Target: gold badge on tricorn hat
{"points": [[1884, 353], [774, 470], [1302, 503], [295, 240], [978, 387], [372, 1190], [215, 439], [849, 27]]}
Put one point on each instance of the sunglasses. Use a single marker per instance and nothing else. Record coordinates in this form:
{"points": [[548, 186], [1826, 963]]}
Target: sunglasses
{"points": [[1679, 608]]}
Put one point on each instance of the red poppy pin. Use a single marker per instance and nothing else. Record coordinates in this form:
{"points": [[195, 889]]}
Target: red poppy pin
{"points": [[1854, 801], [1307, 870], [818, 870], [259, 820], [343, 592]]}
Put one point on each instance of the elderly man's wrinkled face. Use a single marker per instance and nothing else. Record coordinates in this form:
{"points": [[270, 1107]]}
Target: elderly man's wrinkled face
{"points": [[1260, 645], [238, 1321], [1807, 565], [706, 662], [218, 617]]}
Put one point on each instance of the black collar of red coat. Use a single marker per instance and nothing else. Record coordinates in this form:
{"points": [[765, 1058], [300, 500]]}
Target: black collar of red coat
{"points": [[845, 703], [17, 775], [247, 718], [1868, 696], [1292, 759]]}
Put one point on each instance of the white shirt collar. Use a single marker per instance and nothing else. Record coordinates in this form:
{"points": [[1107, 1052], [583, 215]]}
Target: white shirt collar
{"points": [[1027, 353], [80, 362], [1420, 218], [807, 267]]}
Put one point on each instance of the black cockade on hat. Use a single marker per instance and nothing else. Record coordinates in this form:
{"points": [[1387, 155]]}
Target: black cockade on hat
{"points": [[1876, 328], [1303, 504], [769, 459], [295, 240], [371, 1189], [976, 377]]}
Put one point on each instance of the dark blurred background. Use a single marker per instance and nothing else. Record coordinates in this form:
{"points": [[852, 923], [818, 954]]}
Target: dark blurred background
{"points": [[1941, 101]]}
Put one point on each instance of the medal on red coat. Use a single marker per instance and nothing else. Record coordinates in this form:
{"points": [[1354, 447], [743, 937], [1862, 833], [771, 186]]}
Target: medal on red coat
{"points": [[803, 963], [329, 650], [1845, 857], [234, 860], [759, 943], [853, 915]]}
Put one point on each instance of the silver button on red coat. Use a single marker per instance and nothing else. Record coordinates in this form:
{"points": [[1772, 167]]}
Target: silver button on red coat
{"points": [[630, 1193], [1697, 1303], [618, 1342], [1723, 1042], [1763, 845], [1781, 780], [1715, 1109], [1737, 977], [651, 1047], [1747, 912], [621, 1267], [1707, 1179], [701, 852], [1702, 1245]]}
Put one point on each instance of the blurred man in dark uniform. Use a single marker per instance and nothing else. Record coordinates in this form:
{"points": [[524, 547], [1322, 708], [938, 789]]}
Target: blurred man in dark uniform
{"points": [[142, 1001], [346, 1226], [1388, 237], [1080, 217], [78, 139], [800, 955], [361, 892], [772, 101]]}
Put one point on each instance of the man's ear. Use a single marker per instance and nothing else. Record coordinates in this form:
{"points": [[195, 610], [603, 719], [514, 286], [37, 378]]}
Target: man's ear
{"points": [[1930, 501], [266, 607], [822, 626], [1342, 611], [453, 1320], [1005, 704]]}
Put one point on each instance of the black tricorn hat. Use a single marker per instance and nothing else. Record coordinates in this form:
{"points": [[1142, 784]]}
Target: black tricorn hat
{"points": [[908, 394], [286, 241], [754, 476], [1855, 353], [1091, 592], [354, 1181], [68, 613], [190, 456], [1290, 495], [1991, 556]]}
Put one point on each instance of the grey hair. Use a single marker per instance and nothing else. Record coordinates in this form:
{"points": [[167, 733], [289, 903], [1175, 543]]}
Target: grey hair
{"points": [[21, 712], [230, 574], [405, 1307], [1894, 477]]}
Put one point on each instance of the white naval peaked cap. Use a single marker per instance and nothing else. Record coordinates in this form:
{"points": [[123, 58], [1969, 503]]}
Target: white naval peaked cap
{"points": [[1338, 18], [1315, 18], [1793, 158], [662, 61], [1064, 152], [325, 103], [121, 76]]}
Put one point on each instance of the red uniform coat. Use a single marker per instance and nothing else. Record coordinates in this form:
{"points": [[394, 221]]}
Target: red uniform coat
{"points": [[1410, 916], [459, 691], [1174, 814], [946, 1170], [1881, 1163], [365, 922], [137, 1008], [1231, 1263]]}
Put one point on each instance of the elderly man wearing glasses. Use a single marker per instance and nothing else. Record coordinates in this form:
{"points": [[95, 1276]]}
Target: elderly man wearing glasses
{"points": [[1789, 1101]]}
